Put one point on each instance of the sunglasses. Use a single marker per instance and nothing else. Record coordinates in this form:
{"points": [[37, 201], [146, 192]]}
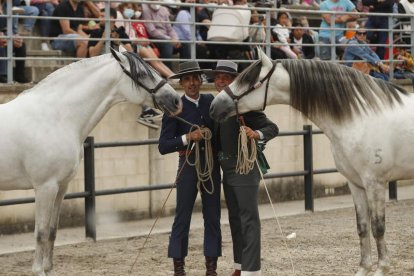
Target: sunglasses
{"points": [[361, 33]]}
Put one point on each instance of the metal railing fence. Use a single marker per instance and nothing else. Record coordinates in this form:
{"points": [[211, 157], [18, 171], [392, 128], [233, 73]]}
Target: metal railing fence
{"points": [[394, 24], [91, 193]]}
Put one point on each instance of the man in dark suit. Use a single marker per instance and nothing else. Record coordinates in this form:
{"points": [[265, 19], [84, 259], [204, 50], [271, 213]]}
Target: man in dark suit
{"points": [[178, 136], [241, 191]]}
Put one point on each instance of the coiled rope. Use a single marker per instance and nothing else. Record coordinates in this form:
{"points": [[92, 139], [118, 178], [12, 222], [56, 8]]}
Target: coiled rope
{"points": [[246, 155], [203, 174]]}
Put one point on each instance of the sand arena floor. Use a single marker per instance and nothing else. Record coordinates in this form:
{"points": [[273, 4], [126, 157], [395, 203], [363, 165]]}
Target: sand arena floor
{"points": [[326, 244]]}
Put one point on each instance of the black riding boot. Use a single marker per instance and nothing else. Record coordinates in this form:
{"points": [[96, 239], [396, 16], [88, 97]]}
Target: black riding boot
{"points": [[179, 265]]}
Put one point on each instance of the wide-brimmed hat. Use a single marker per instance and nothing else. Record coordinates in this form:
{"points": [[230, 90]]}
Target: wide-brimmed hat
{"points": [[188, 67], [223, 66]]}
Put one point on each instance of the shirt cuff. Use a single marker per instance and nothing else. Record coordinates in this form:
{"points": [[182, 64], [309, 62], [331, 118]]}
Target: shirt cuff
{"points": [[184, 138], [260, 134]]}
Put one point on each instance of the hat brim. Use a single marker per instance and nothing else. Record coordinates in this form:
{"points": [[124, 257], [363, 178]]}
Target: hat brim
{"points": [[212, 73], [179, 75]]}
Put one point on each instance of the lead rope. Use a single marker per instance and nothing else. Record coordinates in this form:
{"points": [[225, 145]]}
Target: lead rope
{"points": [[245, 164], [157, 218], [277, 220]]}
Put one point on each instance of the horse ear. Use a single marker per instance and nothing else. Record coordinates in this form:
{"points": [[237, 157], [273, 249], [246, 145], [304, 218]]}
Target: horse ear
{"points": [[259, 51], [263, 57], [122, 49], [115, 54]]}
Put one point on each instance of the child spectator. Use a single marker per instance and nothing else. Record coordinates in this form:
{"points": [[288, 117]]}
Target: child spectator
{"points": [[280, 35]]}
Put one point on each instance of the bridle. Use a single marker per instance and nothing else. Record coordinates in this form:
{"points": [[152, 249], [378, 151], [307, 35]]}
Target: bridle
{"points": [[151, 91], [266, 79]]}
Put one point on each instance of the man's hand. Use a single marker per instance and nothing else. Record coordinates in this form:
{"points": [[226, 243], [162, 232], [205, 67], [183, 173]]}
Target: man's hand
{"points": [[251, 134], [384, 68], [195, 135], [17, 41]]}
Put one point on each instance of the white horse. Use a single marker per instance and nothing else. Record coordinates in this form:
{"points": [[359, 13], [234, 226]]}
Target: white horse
{"points": [[369, 122], [43, 130]]}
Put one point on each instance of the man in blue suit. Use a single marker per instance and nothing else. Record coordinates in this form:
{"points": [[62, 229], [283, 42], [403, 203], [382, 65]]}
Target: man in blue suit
{"points": [[178, 136]]}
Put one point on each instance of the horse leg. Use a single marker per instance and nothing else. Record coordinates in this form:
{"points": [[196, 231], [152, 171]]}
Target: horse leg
{"points": [[48, 256], [363, 227], [376, 201], [45, 198]]}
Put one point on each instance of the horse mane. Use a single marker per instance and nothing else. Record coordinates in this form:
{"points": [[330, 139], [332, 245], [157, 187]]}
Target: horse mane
{"points": [[334, 90], [139, 68], [320, 88]]}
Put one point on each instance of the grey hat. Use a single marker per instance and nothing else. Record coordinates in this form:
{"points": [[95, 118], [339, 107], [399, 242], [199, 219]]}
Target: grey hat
{"points": [[223, 66], [188, 67]]}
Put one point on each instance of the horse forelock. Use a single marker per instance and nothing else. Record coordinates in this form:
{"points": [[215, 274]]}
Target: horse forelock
{"points": [[138, 67], [329, 89], [249, 76]]}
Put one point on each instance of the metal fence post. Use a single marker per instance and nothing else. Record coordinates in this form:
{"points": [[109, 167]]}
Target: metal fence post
{"points": [[308, 166], [392, 190], [89, 167]]}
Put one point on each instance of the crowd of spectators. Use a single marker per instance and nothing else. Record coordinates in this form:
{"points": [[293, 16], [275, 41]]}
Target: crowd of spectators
{"points": [[166, 31]]}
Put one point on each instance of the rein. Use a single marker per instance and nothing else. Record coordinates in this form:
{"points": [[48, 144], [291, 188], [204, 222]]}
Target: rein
{"points": [[266, 79]]}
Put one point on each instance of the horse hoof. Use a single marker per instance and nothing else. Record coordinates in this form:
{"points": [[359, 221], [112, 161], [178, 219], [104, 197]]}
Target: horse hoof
{"points": [[51, 273], [362, 272], [381, 271]]}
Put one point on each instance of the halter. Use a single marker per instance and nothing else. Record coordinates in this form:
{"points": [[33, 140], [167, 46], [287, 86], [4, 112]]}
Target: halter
{"points": [[236, 98], [151, 91]]}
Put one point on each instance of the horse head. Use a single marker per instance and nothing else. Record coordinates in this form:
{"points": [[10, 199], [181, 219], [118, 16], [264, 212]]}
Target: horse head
{"points": [[248, 91], [157, 92]]}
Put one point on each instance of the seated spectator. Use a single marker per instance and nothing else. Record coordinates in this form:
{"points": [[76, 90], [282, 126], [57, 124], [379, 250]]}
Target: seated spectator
{"points": [[237, 31], [139, 37], [182, 28], [357, 49], [280, 35], [144, 48], [118, 36], [405, 68], [28, 23], [19, 50], [161, 29], [137, 41], [74, 29], [46, 8], [298, 37]]}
